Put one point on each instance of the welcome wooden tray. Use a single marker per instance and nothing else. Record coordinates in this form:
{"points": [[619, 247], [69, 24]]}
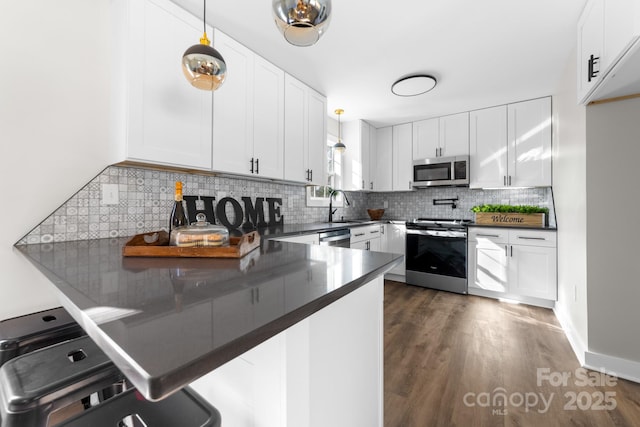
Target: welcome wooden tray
{"points": [[156, 244]]}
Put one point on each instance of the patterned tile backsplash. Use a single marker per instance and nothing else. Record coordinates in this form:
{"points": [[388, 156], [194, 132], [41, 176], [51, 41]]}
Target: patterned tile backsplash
{"points": [[146, 197]]}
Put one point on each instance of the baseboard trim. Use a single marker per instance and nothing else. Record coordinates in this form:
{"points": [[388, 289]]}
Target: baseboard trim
{"points": [[621, 368], [538, 302], [616, 366], [578, 346]]}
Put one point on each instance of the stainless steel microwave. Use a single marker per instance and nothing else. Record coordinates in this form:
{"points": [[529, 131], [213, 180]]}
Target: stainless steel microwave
{"points": [[452, 171]]}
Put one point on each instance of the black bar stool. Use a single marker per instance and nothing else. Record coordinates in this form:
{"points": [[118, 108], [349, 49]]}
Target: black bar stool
{"points": [[184, 408], [24, 334], [34, 385]]}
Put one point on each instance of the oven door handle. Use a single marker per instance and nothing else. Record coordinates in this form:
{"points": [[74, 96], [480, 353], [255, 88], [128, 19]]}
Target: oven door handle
{"points": [[450, 234]]}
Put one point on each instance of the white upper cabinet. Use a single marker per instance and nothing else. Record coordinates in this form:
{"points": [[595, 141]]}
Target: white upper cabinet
{"points": [[356, 135], [317, 146], [608, 50], [382, 173], [510, 146], [590, 46], [529, 151], [402, 157], [268, 119], [488, 147], [248, 114], [454, 135], [159, 117], [305, 133], [426, 139], [441, 136]]}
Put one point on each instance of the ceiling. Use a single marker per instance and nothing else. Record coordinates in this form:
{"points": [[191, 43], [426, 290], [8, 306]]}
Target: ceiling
{"points": [[483, 53]]}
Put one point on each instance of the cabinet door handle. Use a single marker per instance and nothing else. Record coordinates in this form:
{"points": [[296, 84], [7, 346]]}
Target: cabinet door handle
{"points": [[374, 231], [358, 235], [531, 238], [504, 180], [257, 165], [371, 185], [436, 151], [592, 62], [409, 185], [505, 251], [511, 251], [509, 180], [310, 174], [488, 235], [363, 184], [252, 165]]}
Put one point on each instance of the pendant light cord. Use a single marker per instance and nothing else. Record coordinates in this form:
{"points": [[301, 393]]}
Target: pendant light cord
{"points": [[204, 17]]}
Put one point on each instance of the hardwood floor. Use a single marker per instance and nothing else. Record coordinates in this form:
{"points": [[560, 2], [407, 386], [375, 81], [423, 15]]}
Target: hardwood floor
{"points": [[449, 359]]}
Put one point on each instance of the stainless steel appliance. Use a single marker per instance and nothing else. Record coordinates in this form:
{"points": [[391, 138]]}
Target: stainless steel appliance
{"points": [[441, 171], [340, 238], [436, 254]]}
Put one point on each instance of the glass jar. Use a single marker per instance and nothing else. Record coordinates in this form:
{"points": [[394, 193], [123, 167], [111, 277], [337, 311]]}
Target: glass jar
{"points": [[200, 234]]}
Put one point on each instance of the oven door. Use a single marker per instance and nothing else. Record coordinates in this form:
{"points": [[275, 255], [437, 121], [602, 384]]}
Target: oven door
{"points": [[437, 259]]}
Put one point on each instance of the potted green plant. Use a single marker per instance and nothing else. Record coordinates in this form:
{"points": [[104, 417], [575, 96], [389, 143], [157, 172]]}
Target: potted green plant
{"points": [[511, 215]]}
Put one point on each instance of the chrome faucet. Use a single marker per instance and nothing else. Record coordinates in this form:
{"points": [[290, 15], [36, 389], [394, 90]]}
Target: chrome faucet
{"points": [[331, 210]]}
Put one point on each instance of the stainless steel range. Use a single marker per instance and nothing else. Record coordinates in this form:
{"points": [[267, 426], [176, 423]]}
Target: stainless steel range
{"points": [[436, 254]]}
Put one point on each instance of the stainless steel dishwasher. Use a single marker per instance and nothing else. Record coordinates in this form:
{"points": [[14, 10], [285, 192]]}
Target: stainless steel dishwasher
{"points": [[340, 238]]}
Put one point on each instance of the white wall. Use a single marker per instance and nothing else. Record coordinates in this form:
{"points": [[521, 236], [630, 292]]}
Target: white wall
{"points": [[54, 116], [569, 189], [613, 203]]}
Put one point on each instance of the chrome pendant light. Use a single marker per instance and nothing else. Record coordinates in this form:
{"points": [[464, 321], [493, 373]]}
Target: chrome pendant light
{"points": [[202, 65], [339, 146], [302, 22]]}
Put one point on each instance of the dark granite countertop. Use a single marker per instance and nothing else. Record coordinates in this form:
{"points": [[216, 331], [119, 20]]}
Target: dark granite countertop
{"points": [[167, 321]]}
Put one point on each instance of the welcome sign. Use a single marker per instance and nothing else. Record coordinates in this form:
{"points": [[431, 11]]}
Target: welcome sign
{"points": [[248, 215]]}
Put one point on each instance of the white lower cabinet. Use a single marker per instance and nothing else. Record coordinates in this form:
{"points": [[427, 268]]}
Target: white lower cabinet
{"points": [[395, 237], [367, 238], [512, 263], [326, 370]]}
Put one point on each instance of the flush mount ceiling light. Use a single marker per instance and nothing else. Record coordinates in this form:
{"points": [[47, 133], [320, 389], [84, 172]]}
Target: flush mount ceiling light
{"points": [[413, 85], [202, 65], [302, 22], [339, 146]]}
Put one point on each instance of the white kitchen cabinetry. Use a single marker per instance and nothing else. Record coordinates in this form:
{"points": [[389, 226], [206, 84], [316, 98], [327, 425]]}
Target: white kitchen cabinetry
{"points": [[513, 263], [356, 135], [426, 139], [367, 237], [442, 136], [454, 135], [402, 157], [395, 237], [590, 46], [488, 147], [608, 49], [510, 145], [309, 239], [248, 114], [158, 117], [305, 137], [326, 370], [382, 173]]}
